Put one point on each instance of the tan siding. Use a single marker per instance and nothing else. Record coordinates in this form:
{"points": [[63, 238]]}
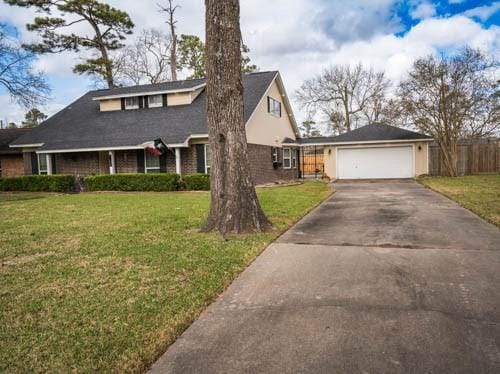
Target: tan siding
{"points": [[330, 162], [110, 105], [266, 129], [179, 99], [421, 159]]}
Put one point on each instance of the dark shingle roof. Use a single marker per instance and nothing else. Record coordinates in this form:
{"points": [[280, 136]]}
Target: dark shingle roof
{"points": [[82, 125], [7, 136], [368, 133]]}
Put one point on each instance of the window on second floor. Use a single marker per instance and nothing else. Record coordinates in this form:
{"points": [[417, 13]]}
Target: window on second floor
{"points": [[155, 101], [131, 103], [274, 107]]}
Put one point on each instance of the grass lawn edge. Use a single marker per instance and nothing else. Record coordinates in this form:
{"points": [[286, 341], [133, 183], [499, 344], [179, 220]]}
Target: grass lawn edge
{"points": [[451, 198], [188, 323]]}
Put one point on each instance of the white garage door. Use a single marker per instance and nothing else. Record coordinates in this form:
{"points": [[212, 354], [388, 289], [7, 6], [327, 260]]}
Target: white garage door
{"points": [[371, 162]]}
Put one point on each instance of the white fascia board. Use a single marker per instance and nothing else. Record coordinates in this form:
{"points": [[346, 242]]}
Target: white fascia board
{"points": [[97, 149], [186, 143], [146, 93], [363, 142], [26, 145]]}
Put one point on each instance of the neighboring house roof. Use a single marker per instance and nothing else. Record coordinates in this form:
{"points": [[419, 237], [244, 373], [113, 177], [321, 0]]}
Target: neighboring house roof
{"points": [[81, 125], [7, 136], [375, 132]]}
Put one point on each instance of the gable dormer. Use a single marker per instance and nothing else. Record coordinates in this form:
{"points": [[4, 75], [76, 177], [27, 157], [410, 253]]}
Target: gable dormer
{"points": [[151, 98]]}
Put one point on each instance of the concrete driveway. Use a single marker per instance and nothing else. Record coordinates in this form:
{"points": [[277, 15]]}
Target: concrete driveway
{"points": [[385, 277]]}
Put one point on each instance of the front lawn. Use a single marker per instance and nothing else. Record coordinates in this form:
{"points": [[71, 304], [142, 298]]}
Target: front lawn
{"points": [[106, 281], [478, 193]]}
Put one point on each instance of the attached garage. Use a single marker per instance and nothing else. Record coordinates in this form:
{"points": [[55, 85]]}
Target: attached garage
{"points": [[375, 151], [372, 162]]}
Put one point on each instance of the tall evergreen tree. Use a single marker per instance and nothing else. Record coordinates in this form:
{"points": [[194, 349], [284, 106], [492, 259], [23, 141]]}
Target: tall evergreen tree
{"points": [[33, 118], [109, 27]]}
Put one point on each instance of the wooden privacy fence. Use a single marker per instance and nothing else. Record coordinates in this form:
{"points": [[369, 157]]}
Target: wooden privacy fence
{"points": [[474, 156]]}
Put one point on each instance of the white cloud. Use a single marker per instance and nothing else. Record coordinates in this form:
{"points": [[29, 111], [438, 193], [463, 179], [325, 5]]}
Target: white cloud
{"points": [[483, 12], [423, 10], [297, 37]]}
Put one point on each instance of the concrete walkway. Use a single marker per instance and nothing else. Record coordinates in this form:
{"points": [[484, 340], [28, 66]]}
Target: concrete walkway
{"points": [[385, 277]]}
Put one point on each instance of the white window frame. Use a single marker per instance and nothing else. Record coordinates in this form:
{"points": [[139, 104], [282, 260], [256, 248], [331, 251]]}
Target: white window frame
{"points": [[135, 106], [43, 171], [155, 105], [289, 158], [151, 169], [275, 155], [274, 107], [294, 158], [207, 161]]}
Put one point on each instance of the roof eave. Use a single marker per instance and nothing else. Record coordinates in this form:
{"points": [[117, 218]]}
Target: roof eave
{"points": [[145, 93]]}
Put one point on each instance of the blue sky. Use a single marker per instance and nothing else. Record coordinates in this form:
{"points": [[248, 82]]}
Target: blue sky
{"points": [[298, 37]]}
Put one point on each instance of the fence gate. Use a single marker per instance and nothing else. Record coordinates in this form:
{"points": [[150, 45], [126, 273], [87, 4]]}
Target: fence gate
{"points": [[311, 162]]}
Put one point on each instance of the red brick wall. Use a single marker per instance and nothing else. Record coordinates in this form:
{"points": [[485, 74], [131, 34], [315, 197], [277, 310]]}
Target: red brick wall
{"points": [[188, 160], [126, 161], [261, 166], [12, 165], [81, 163]]}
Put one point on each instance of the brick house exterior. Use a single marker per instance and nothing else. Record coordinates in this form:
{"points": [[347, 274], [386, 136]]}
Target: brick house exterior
{"points": [[122, 130], [11, 160]]}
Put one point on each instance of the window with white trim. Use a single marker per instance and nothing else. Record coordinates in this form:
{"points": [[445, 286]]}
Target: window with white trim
{"points": [[287, 158], [42, 164], [274, 106], [151, 162], [275, 155], [155, 101], [207, 159], [294, 158], [131, 103]]}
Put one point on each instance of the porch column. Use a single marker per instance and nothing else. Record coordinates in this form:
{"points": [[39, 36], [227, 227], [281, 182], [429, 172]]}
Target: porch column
{"points": [[112, 167], [49, 163], [178, 160]]}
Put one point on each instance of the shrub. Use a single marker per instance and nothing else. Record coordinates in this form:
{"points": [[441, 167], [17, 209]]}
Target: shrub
{"points": [[196, 182], [134, 182], [39, 183]]}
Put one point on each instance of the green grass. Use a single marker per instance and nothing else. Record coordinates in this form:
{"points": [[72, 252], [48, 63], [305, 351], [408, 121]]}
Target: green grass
{"points": [[478, 193], [106, 281]]}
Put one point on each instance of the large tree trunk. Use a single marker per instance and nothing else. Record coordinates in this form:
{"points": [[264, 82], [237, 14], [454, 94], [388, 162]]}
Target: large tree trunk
{"points": [[234, 205]]}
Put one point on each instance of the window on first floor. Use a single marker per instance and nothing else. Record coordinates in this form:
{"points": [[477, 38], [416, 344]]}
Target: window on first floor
{"points": [[131, 103], [151, 163], [42, 164], [294, 158], [207, 159], [287, 158], [274, 152], [155, 101]]}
